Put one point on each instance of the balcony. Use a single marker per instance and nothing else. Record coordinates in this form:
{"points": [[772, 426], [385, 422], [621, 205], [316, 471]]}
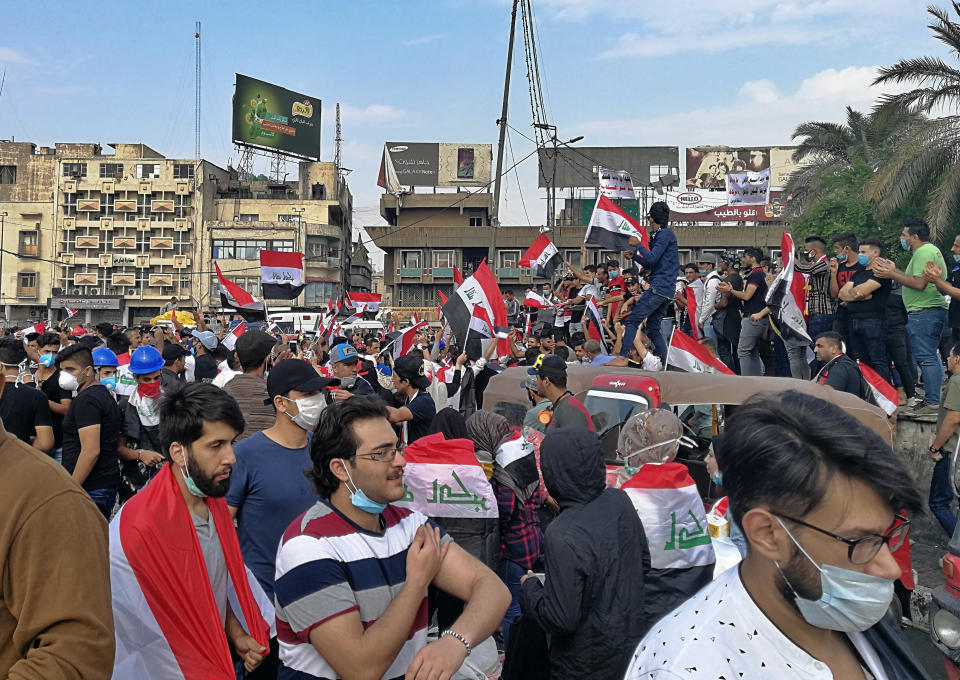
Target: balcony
{"points": [[443, 272], [28, 249], [412, 272], [27, 292], [509, 272]]}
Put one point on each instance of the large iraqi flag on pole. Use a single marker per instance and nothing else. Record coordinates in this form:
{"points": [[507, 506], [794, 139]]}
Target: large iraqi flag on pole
{"points": [[543, 257], [611, 228], [689, 355], [281, 275], [166, 618], [444, 479], [479, 289], [364, 302], [235, 297]]}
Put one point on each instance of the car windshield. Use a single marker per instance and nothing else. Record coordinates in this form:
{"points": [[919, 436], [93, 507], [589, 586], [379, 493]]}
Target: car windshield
{"points": [[609, 411]]}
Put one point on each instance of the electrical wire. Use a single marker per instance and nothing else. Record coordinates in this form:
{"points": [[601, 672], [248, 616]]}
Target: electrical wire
{"points": [[517, 177]]}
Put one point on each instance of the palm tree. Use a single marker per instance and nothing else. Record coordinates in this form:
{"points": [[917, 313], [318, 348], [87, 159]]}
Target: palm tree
{"points": [[926, 155]]}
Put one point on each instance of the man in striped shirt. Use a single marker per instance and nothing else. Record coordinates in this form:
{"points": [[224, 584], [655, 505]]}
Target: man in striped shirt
{"points": [[352, 572]]}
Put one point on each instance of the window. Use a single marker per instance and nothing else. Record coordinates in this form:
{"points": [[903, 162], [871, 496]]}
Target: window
{"points": [[222, 250], [318, 292], [8, 174], [183, 171], [106, 205], [143, 206], [181, 206], [249, 250], [27, 280], [111, 170], [249, 217], [147, 171], [509, 258], [658, 171], [573, 257], [230, 249], [28, 242], [316, 248], [410, 259], [282, 246], [69, 205], [288, 218], [443, 259], [74, 169], [475, 217]]}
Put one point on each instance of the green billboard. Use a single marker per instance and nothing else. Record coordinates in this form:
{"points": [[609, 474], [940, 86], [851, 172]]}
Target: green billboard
{"points": [[274, 118]]}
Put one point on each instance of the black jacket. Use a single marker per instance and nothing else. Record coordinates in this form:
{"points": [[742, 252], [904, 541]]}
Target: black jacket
{"points": [[596, 557]]}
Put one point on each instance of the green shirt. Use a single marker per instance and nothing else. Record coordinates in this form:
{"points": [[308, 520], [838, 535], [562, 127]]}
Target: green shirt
{"points": [[915, 300], [949, 401]]}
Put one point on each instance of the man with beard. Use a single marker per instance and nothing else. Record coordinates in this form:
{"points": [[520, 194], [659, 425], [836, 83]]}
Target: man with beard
{"points": [[819, 498], [174, 554]]}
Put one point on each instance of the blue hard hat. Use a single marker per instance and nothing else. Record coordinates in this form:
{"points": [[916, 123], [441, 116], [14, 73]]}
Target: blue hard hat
{"points": [[145, 360], [104, 357]]}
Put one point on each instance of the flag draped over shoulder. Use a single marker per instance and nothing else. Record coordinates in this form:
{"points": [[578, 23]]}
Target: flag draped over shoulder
{"points": [[611, 228], [166, 619], [689, 355], [516, 466], [543, 257], [281, 274], [786, 296], [443, 478], [235, 297]]}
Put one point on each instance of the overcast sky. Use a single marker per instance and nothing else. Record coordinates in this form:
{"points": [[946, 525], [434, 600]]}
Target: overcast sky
{"points": [[618, 73]]}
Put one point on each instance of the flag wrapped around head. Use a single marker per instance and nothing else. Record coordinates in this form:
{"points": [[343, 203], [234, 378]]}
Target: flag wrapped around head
{"points": [[689, 355], [611, 228], [235, 297], [543, 257]]}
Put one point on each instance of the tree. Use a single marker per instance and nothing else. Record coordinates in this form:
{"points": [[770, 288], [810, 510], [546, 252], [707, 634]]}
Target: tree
{"points": [[926, 155]]}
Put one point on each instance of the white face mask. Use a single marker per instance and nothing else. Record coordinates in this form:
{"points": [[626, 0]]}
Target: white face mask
{"points": [[348, 381], [310, 409], [68, 382]]}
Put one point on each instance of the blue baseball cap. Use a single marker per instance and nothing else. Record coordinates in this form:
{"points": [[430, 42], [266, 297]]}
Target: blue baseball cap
{"points": [[206, 338], [344, 353]]}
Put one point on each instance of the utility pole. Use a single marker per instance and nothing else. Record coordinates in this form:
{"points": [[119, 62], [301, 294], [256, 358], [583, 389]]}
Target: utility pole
{"points": [[196, 122], [495, 217], [3, 216]]}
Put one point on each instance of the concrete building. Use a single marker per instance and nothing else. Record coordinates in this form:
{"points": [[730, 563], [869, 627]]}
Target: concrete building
{"points": [[361, 271]]}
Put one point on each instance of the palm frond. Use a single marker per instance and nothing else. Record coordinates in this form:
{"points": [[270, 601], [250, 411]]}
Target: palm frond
{"points": [[943, 204], [946, 31], [921, 70]]}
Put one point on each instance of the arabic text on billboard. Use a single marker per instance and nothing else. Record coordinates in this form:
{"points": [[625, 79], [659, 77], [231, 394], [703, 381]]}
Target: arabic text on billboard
{"points": [[707, 167], [272, 117], [431, 164]]}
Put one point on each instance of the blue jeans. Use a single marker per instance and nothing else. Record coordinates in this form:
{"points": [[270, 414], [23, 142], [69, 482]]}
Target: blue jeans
{"points": [[651, 307], [105, 499], [867, 337], [924, 327], [941, 495], [510, 573], [819, 323], [709, 332]]}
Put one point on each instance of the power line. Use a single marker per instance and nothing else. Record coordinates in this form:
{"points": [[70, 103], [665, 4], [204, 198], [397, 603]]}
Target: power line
{"points": [[517, 177]]}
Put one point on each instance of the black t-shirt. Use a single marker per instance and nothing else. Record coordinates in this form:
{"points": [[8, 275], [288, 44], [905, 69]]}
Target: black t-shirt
{"points": [[842, 374], [205, 369], [23, 409], [844, 274], [875, 307], [757, 302], [423, 410], [51, 388], [94, 406]]}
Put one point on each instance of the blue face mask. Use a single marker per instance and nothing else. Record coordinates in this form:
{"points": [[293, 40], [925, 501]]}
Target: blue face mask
{"points": [[717, 478], [903, 244], [110, 383], [359, 499], [703, 272], [191, 485], [841, 257], [863, 259], [47, 360]]}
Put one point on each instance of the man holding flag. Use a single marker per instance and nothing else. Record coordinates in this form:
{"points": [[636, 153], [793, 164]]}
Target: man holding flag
{"points": [[662, 261]]}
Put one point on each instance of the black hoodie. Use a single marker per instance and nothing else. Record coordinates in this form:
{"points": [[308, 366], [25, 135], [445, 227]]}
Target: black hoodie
{"points": [[596, 557]]}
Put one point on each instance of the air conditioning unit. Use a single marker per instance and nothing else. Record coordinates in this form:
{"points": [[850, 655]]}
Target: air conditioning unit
{"points": [[67, 259], [144, 224], [94, 291], [56, 291], [69, 223], [131, 291], [34, 312], [76, 291]]}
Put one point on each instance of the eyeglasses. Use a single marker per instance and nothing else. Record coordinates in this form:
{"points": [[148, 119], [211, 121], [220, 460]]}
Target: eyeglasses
{"points": [[383, 456], [862, 550]]}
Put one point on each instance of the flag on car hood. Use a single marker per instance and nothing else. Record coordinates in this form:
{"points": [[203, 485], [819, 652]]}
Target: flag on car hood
{"points": [[611, 228], [689, 355], [235, 297]]}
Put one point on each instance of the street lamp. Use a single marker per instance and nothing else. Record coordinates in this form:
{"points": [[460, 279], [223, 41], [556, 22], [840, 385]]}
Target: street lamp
{"points": [[551, 187]]}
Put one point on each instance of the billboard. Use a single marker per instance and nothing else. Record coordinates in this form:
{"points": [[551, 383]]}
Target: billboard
{"points": [[701, 205], [576, 166], [432, 164], [707, 166], [782, 165], [276, 119]]}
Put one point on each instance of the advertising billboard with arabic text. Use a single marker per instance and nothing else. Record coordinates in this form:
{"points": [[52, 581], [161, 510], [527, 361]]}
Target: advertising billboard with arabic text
{"points": [[276, 119]]}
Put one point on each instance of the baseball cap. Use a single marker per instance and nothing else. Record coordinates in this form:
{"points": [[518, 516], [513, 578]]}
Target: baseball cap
{"points": [[631, 280], [172, 352], [344, 353], [295, 374], [410, 367], [530, 383], [207, 338], [548, 365], [708, 257]]}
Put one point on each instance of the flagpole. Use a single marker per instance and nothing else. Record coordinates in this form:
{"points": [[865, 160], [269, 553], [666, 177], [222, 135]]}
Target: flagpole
{"points": [[669, 345]]}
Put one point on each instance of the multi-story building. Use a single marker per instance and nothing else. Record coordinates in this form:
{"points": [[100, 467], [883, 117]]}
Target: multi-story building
{"points": [[361, 272], [116, 235]]}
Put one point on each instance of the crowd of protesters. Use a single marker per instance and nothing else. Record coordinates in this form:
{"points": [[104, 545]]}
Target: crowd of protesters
{"points": [[266, 497]]}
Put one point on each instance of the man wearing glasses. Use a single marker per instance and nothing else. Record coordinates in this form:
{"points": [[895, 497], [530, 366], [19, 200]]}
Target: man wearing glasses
{"points": [[352, 572], [821, 501]]}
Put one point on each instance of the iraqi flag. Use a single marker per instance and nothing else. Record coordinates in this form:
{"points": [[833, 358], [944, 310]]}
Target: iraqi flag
{"points": [[517, 458], [691, 296], [230, 341], [281, 275], [166, 618], [537, 301], [611, 228], [404, 339], [883, 392], [786, 296], [364, 302], [666, 498], [67, 313], [593, 324], [30, 330], [689, 355], [235, 297], [543, 257], [457, 276], [480, 326], [443, 478], [479, 289]]}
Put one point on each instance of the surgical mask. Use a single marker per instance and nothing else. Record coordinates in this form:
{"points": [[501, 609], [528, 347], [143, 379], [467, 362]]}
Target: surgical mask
{"points": [[851, 601], [49, 359], [191, 485], [903, 244], [310, 409], [358, 498], [348, 382], [614, 273], [110, 383], [68, 382], [717, 478], [863, 259], [841, 257], [703, 272]]}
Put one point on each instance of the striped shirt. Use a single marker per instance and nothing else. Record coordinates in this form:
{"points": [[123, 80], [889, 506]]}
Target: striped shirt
{"points": [[328, 566]]}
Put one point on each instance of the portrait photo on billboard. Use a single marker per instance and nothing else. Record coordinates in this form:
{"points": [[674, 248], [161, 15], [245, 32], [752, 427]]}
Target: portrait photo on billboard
{"points": [[465, 163], [707, 168], [271, 117]]}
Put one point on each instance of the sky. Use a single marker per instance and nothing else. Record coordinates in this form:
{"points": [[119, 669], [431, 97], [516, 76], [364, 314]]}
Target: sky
{"points": [[618, 73]]}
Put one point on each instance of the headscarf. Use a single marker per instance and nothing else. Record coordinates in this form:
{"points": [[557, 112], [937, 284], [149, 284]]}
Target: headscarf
{"points": [[451, 423], [488, 431], [649, 437]]}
